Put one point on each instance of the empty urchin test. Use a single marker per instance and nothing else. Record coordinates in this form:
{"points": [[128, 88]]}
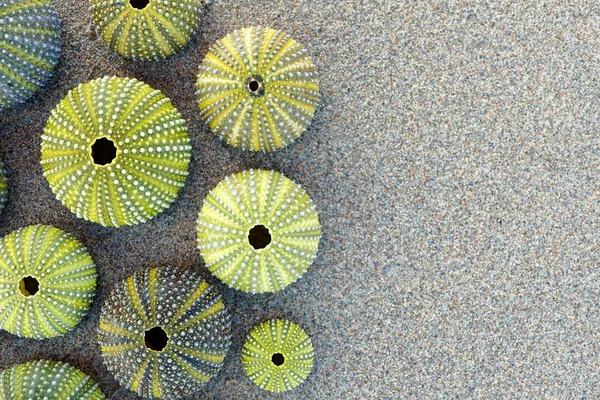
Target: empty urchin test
{"points": [[164, 333], [146, 30], [29, 48], [115, 151], [257, 89]]}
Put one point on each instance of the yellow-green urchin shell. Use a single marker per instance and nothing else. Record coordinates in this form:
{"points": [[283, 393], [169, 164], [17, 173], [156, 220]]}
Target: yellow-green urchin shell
{"points": [[29, 48], [257, 89], [47, 282], [3, 186], [277, 355], [47, 380], [115, 151], [164, 333], [258, 231], [146, 30]]}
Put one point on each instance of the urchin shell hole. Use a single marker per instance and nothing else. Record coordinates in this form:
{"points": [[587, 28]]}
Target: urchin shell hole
{"points": [[156, 338], [29, 286], [255, 85], [104, 151], [278, 359], [259, 237], [139, 4]]}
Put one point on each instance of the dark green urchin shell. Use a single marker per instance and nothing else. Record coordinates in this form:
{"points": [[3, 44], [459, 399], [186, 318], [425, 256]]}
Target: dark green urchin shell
{"points": [[29, 48], [257, 89], [164, 333], [48, 380], [277, 355], [146, 30], [258, 231], [3, 186], [115, 151], [47, 282]]}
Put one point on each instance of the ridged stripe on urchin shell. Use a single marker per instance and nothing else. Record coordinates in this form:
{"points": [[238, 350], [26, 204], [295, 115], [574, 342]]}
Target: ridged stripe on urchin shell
{"points": [[65, 276], [48, 380], [139, 136], [29, 48], [190, 314], [258, 231], [257, 89], [3, 186], [277, 355], [150, 32]]}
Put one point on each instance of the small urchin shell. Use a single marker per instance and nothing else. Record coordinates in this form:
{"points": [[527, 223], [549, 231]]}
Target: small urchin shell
{"points": [[258, 231], [29, 48], [277, 355], [115, 151], [257, 89], [164, 333], [48, 380], [146, 30], [47, 282], [3, 186]]}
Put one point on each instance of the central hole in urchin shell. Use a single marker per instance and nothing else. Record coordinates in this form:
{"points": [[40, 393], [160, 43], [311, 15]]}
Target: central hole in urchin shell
{"points": [[139, 4], [259, 237], [104, 151], [255, 85], [29, 286], [156, 338], [278, 359]]}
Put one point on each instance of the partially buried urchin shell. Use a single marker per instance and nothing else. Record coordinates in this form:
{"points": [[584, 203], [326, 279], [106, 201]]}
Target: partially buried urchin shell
{"points": [[47, 282], [257, 89], [29, 48], [146, 30], [115, 151], [48, 380], [258, 231], [3, 186], [164, 333], [277, 355]]}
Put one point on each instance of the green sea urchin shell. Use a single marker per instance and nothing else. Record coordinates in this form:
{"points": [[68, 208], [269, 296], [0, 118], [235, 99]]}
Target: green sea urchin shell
{"points": [[48, 380], [3, 186], [29, 48], [146, 30], [115, 151], [47, 282], [257, 89], [277, 355], [258, 231], [164, 332]]}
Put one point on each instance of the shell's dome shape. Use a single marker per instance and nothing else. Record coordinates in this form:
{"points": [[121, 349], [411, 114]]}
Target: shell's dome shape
{"points": [[257, 89], [277, 355], [164, 333], [47, 282], [115, 151], [29, 48], [146, 30], [3, 186], [49, 380], [258, 231]]}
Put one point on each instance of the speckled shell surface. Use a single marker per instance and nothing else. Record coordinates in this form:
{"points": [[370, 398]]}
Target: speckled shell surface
{"points": [[29, 48], [152, 151], [3, 186], [239, 203], [267, 119], [191, 313]]}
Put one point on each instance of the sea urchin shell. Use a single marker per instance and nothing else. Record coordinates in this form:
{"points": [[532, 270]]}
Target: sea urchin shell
{"points": [[3, 186]]}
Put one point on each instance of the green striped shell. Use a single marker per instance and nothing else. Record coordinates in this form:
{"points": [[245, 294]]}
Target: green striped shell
{"points": [[164, 333], [146, 30], [257, 89], [29, 48], [115, 151], [258, 231], [47, 380], [277, 355], [47, 282], [3, 186]]}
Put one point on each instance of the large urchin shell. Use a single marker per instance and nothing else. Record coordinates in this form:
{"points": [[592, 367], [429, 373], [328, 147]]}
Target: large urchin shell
{"points": [[3, 186], [146, 30], [277, 355], [257, 89], [29, 48], [164, 332], [48, 380], [258, 231], [115, 151], [47, 282]]}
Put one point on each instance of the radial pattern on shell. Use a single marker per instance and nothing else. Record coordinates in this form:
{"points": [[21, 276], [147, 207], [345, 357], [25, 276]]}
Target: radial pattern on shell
{"points": [[115, 151], [47, 282], [164, 333], [3, 186], [258, 231], [257, 89], [277, 355], [29, 48], [146, 30]]}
